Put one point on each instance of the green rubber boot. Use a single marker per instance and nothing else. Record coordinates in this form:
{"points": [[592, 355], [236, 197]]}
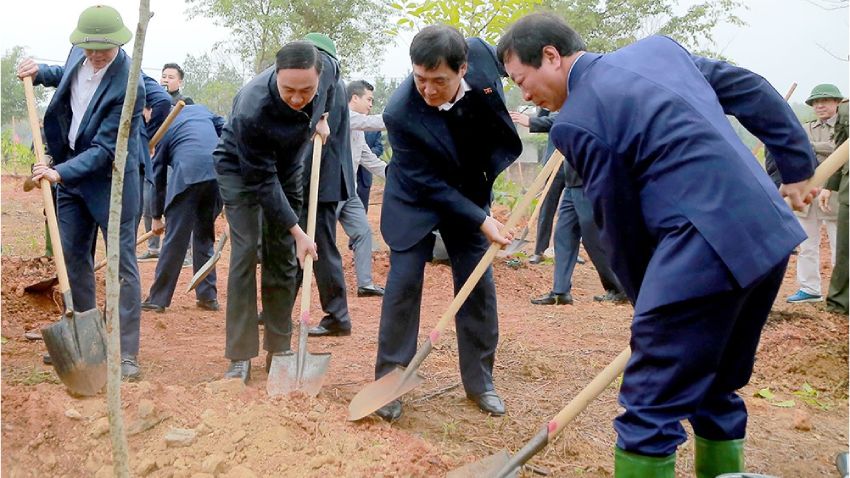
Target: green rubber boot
{"points": [[632, 465], [715, 457]]}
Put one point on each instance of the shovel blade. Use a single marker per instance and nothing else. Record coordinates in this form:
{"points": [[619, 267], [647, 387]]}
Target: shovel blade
{"points": [[381, 392], [484, 468], [516, 245], [77, 347], [283, 373], [204, 271], [42, 285]]}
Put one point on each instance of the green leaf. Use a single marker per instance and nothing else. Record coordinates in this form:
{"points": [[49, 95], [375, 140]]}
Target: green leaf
{"points": [[3, 340], [784, 404], [765, 393]]}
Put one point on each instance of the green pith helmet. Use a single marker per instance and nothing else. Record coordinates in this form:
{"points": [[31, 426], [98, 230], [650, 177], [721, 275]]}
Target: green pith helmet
{"points": [[322, 42], [824, 90], [100, 28]]}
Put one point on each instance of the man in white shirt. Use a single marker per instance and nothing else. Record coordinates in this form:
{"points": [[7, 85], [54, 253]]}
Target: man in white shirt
{"points": [[351, 213]]}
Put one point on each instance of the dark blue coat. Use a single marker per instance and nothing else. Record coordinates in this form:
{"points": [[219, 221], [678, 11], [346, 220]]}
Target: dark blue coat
{"points": [[187, 148], [263, 140], [89, 172], [425, 176], [684, 209], [159, 101]]}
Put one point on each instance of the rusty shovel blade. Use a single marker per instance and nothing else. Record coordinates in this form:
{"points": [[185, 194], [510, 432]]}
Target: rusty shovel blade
{"points": [[77, 347], [381, 392], [486, 467], [208, 266]]}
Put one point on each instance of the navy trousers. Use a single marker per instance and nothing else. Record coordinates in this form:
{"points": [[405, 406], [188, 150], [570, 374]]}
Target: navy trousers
{"points": [[280, 266], [546, 218], [78, 230], [575, 224], [189, 216], [330, 279], [476, 322], [688, 359]]}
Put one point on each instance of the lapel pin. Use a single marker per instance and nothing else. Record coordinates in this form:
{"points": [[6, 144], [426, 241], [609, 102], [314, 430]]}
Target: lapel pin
{"points": [[488, 91]]}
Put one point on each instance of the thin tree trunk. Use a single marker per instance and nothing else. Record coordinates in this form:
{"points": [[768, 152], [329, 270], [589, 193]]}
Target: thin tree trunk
{"points": [[120, 454]]}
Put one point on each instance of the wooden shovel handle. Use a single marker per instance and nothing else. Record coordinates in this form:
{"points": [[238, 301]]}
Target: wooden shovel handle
{"points": [[307, 282], [589, 393], [560, 159], [487, 259], [828, 167], [46, 194], [144, 237], [163, 128]]}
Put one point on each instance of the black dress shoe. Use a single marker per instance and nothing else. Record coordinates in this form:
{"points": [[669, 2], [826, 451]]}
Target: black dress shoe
{"points": [[612, 296], [322, 331], [579, 260], [153, 307], [209, 304], [370, 290], [240, 369], [553, 299], [536, 259], [130, 369], [391, 411], [489, 402]]}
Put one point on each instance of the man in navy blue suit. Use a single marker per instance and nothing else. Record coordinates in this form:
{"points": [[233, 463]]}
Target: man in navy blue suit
{"points": [[451, 136], [189, 199], [697, 233], [81, 128]]}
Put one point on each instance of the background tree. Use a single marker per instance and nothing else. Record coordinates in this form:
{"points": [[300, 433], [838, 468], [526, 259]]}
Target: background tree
{"points": [[260, 27], [12, 101], [211, 82], [384, 88]]}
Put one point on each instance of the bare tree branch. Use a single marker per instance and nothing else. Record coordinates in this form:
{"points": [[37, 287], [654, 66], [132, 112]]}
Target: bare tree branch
{"points": [[839, 58]]}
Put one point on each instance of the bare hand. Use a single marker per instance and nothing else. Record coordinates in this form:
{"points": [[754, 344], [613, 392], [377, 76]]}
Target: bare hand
{"points": [[158, 226], [799, 194], [322, 128], [27, 67], [492, 231], [521, 119], [303, 245], [40, 171], [823, 200]]}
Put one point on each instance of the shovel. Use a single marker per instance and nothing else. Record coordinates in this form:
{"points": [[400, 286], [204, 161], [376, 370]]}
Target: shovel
{"points": [[208, 266], [302, 371], [46, 284], [502, 465], [402, 380], [518, 243], [77, 343]]}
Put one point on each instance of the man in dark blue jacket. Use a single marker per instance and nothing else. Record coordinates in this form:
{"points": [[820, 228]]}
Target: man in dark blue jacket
{"points": [[81, 128], [259, 170], [189, 199], [697, 234], [451, 137], [157, 107]]}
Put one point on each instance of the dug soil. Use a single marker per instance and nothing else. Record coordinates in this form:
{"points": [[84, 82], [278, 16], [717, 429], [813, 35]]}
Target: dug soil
{"points": [[182, 420]]}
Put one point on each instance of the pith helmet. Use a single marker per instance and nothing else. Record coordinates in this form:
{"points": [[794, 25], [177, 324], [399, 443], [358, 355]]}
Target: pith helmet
{"points": [[322, 42], [824, 90], [100, 28]]}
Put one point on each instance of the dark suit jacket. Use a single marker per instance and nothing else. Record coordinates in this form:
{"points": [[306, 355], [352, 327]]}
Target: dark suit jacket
{"points": [[187, 148], [89, 172], [262, 141], [159, 101], [336, 177], [425, 178], [683, 208]]}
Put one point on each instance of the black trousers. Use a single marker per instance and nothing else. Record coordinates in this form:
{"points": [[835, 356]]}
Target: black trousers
{"points": [[476, 322], [330, 279], [279, 271], [547, 212], [190, 216]]}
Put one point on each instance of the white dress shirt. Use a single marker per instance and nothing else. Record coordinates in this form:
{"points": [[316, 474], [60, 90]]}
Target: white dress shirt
{"points": [[83, 86], [464, 87]]}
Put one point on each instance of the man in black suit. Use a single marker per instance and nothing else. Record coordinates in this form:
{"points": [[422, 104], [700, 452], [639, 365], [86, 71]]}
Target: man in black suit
{"points": [[336, 183], [451, 136]]}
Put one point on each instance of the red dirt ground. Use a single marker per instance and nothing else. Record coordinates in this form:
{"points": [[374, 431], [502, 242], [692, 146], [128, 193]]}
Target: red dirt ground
{"points": [[545, 356]]}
